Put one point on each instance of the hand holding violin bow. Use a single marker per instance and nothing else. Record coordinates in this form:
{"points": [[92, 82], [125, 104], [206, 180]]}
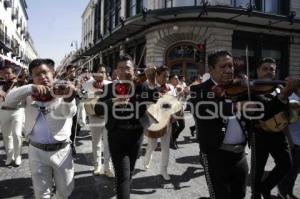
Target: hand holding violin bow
{"points": [[64, 89]]}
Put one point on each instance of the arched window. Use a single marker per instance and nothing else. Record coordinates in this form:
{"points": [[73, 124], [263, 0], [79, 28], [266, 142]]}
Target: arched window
{"points": [[186, 59]]}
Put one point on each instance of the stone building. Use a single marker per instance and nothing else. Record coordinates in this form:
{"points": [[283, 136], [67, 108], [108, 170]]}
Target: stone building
{"points": [[180, 34]]}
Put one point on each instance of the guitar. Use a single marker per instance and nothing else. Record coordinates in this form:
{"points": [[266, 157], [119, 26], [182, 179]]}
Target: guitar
{"points": [[160, 115]]}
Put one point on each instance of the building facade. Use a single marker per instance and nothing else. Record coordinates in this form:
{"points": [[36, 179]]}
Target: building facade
{"points": [[16, 44], [180, 34]]}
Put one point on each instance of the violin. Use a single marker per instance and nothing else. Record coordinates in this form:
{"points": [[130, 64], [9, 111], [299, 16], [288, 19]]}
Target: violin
{"points": [[98, 84], [239, 87], [58, 89]]}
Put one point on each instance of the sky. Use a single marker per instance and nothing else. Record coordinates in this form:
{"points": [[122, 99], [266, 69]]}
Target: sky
{"points": [[54, 25]]}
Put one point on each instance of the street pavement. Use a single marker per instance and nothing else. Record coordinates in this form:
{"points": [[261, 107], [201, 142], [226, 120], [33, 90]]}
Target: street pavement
{"points": [[187, 175]]}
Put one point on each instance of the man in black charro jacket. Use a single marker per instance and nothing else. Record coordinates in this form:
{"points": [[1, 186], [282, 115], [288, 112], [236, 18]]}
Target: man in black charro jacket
{"points": [[266, 141], [123, 104], [222, 138]]}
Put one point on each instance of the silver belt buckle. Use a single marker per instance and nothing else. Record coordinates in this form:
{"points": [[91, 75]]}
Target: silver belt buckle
{"points": [[238, 149]]}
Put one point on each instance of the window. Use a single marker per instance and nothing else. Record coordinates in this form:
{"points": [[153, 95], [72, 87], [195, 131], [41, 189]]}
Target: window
{"points": [[260, 45], [242, 3], [134, 7], [267, 6], [180, 3], [271, 6]]}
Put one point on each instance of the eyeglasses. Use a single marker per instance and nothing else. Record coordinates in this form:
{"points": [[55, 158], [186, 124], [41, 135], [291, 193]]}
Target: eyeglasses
{"points": [[40, 74]]}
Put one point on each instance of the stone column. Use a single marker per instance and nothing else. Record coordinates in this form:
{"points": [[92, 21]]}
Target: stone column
{"points": [[294, 69]]}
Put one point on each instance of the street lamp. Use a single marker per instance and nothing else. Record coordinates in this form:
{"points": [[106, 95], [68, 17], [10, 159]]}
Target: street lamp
{"points": [[74, 43]]}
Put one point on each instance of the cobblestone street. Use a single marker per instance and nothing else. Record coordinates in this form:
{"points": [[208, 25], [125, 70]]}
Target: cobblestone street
{"points": [[187, 175]]}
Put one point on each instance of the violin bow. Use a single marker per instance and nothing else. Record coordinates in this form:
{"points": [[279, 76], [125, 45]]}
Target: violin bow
{"points": [[251, 131]]}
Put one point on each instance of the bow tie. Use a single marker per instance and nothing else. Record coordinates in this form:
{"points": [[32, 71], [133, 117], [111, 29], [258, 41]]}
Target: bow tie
{"points": [[164, 88], [121, 89], [98, 84]]}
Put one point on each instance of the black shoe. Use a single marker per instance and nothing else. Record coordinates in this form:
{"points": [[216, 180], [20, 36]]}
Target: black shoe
{"points": [[268, 196], [287, 196], [192, 129], [173, 145]]}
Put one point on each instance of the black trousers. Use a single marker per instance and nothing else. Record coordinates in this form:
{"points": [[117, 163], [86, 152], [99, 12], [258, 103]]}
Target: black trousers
{"points": [[75, 129], [226, 174], [275, 144], [177, 127], [124, 148]]}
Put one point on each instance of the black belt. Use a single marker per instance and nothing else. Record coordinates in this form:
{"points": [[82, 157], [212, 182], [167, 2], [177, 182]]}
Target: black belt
{"points": [[129, 127], [49, 147], [8, 108], [235, 148]]}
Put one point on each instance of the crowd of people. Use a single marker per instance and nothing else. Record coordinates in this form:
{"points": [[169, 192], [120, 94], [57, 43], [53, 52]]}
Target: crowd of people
{"points": [[50, 107]]}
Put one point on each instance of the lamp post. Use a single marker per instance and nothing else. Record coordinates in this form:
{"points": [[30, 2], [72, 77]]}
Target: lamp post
{"points": [[74, 43]]}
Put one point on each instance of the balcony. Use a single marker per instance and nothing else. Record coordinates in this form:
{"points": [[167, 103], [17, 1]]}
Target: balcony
{"points": [[19, 24], [7, 41], [15, 46], [2, 36], [7, 4], [23, 31], [14, 14]]}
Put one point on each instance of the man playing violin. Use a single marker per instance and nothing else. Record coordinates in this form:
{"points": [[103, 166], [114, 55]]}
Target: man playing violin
{"points": [[266, 141], [11, 118], [48, 127], [221, 136]]}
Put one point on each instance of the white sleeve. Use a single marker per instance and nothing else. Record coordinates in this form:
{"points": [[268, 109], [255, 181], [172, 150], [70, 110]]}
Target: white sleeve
{"points": [[17, 95]]}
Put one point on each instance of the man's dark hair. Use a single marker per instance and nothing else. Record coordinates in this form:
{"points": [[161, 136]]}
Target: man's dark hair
{"points": [[124, 57], [50, 62], [70, 67], [194, 78], [266, 60], [97, 66], [37, 62], [180, 77], [172, 76], [161, 69], [214, 56], [13, 68]]}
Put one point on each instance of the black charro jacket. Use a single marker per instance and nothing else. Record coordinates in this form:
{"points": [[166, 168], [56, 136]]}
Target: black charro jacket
{"points": [[211, 131], [126, 118]]}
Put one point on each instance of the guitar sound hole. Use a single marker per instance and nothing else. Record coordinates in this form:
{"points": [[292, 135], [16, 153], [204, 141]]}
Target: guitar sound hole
{"points": [[166, 106]]}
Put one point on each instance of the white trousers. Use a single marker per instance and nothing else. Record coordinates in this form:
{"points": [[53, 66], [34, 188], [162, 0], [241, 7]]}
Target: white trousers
{"points": [[11, 128], [99, 133], [48, 167], [165, 147]]}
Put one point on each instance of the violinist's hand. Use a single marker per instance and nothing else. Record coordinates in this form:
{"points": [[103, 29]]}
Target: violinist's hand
{"points": [[40, 89], [289, 88], [98, 92], [69, 91], [2, 93], [120, 101]]}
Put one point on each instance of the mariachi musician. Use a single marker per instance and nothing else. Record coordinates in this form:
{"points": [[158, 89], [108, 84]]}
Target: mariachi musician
{"points": [[11, 118], [123, 103], [162, 77], [269, 135], [94, 87], [221, 135], [49, 108]]}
